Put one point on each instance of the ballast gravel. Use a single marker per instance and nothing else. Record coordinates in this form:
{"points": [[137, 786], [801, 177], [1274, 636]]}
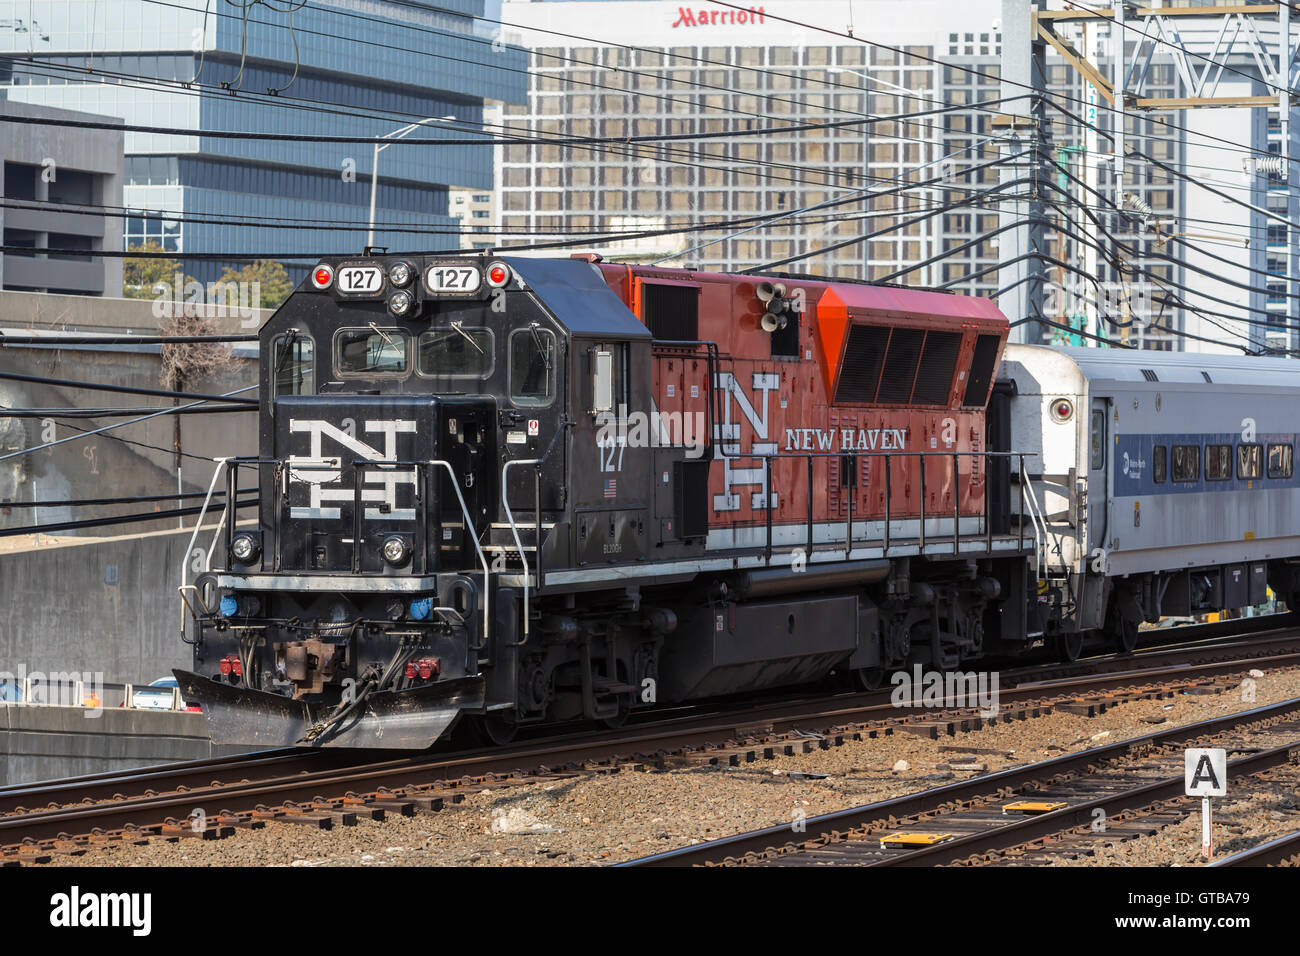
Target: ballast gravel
{"points": [[597, 819]]}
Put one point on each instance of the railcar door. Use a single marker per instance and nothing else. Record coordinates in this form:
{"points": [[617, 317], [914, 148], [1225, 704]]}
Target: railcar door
{"points": [[1099, 456]]}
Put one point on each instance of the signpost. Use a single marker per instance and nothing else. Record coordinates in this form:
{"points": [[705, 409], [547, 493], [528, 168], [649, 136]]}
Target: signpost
{"points": [[1205, 775]]}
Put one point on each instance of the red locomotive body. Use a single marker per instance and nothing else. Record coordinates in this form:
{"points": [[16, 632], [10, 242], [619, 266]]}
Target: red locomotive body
{"points": [[843, 387]]}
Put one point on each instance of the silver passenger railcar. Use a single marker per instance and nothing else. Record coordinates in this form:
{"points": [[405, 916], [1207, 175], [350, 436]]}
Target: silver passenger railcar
{"points": [[1159, 484]]}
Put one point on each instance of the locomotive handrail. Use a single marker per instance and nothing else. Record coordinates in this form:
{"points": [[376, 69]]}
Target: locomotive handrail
{"points": [[514, 529], [194, 536], [1027, 508]]}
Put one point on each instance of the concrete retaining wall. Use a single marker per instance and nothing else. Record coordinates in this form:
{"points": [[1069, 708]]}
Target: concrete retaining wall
{"points": [[108, 607], [46, 743]]}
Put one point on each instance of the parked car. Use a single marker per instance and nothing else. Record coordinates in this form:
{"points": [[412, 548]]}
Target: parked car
{"points": [[157, 696]]}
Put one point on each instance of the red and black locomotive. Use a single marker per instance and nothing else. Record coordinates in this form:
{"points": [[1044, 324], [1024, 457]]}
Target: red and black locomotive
{"points": [[525, 490]]}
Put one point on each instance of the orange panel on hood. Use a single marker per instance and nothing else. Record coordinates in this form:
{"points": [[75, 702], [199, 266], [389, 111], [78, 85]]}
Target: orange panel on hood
{"points": [[832, 328]]}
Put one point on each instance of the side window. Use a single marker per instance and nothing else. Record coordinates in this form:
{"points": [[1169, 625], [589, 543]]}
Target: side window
{"points": [[371, 352], [1218, 462], [1186, 464], [1250, 459], [1159, 464], [294, 365], [620, 392], [1098, 456], [532, 366], [1280, 461]]}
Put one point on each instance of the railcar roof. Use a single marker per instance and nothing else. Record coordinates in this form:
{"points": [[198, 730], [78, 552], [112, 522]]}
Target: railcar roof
{"points": [[1132, 365]]}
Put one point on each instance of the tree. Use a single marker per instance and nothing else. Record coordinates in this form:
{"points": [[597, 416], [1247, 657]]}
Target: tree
{"points": [[273, 282], [141, 276]]}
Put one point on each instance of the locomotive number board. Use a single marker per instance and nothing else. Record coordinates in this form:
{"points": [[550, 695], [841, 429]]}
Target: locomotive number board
{"points": [[449, 279]]}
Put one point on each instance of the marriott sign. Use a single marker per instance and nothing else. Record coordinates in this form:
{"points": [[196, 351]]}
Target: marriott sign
{"points": [[707, 18]]}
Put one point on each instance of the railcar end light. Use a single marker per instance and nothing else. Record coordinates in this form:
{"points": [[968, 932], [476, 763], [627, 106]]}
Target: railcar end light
{"points": [[1062, 410], [323, 277], [498, 274]]}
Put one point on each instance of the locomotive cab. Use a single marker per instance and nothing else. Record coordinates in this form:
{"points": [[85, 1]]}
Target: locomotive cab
{"points": [[418, 422]]}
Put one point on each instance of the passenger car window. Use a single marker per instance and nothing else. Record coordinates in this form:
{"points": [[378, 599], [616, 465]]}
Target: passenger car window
{"points": [[293, 362], [371, 351], [1098, 456], [532, 366], [1159, 463], [456, 351], [1186, 463], [1280, 463], [1249, 461], [1218, 462]]}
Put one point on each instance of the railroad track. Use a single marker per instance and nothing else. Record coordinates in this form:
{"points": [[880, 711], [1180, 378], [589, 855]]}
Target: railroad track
{"points": [[1280, 851], [213, 798], [1034, 814]]}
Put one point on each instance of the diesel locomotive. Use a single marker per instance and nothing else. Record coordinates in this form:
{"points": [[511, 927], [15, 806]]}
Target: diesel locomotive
{"points": [[523, 490]]}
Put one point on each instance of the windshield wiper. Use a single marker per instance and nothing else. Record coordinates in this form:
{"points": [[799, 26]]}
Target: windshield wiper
{"points": [[468, 338]]}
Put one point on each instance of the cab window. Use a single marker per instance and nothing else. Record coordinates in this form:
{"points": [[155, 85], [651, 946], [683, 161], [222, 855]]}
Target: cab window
{"points": [[532, 366], [1097, 458], [456, 351], [293, 364], [371, 352]]}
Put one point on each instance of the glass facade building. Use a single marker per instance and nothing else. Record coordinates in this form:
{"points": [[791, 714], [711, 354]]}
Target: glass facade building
{"points": [[336, 68]]}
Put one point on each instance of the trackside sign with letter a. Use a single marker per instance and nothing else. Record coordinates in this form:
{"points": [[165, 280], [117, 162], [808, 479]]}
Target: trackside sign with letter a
{"points": [[1205, 772]]}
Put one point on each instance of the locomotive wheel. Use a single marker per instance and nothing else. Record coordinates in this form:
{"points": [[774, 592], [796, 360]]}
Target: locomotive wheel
{"points": [[497, 729], [868, 678], [1067, 647], [620, 718]]}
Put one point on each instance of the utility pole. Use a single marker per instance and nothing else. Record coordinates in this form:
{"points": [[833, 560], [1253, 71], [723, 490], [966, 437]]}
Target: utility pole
{"points": [[1023, 275]]}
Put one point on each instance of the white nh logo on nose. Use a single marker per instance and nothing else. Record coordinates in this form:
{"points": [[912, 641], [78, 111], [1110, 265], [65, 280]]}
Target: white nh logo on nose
{"points": [[325, 482]]}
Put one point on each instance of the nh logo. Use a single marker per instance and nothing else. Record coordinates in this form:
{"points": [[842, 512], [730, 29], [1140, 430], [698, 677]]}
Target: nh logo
{"points": [[728, 436], [323, 475]]}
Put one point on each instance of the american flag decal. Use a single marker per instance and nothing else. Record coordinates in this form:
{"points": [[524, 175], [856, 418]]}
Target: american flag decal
{"points": [[611, 487]]}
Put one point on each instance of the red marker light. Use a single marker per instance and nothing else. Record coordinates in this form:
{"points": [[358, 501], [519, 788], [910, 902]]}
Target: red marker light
{"points": [[498, 274], [322, 277]]}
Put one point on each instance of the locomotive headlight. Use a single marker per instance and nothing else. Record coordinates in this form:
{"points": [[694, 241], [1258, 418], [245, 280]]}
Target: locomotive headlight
{"points": [[400, 274], [1062, 410], [399, 303], [395, 551], [244, 548]]}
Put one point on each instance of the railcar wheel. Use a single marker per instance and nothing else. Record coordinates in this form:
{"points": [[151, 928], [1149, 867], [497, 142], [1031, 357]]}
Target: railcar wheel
{"points": [[1124, 636], [1067, 647], [868, 678]]}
